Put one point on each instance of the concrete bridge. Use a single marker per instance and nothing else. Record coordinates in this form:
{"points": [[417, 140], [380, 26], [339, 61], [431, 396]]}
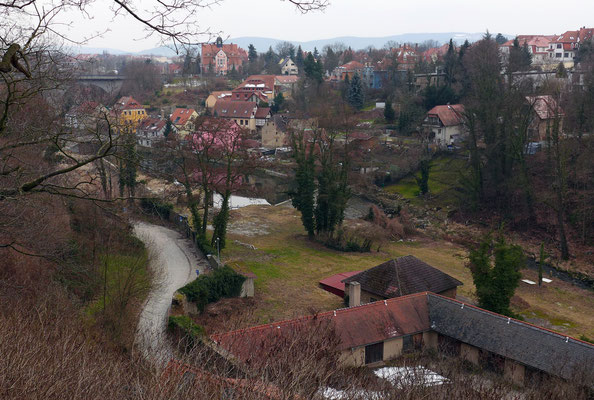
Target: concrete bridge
{"points": [[109, 83]]}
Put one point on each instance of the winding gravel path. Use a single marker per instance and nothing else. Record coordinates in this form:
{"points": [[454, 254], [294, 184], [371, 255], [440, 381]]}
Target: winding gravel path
{"points": [[173, 262]]}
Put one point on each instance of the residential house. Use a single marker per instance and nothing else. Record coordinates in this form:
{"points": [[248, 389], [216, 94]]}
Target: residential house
{"points": [[446, 124], [183, 120], [563, 48], [370, 334], [276, 130], [349, 69], [220, 59], [406, 58], [546, 111], [242, 112], [128, 113], [435, 54], [285, 84], [85, 116], [260, 83], [214, 96], [400, 277], [288, 67], [538, 46], [151, 130], [247, 94]]}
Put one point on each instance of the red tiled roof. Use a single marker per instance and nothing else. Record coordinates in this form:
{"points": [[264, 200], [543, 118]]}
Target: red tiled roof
{"points": [[262, 112], [234, 109], [235, 54], [531, 40], [267, 80], [127, 103], [355, 326], [334, 284], [545, 106], [286, 79], [352, 66], [181, 115], [152, 124], [449, 115]]}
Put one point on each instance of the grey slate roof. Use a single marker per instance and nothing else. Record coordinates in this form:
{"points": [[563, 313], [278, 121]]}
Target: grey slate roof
{"points": [[525, 343], [403, 276]]}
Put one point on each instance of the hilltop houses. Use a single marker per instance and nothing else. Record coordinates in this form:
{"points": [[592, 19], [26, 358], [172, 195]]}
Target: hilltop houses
{"points": [[220, 59], [288, 66]]}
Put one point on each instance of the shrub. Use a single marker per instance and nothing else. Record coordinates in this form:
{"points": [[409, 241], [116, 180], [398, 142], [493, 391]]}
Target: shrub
{"points": [[157, 207], [348, 241], [185, 325], [204, 245], [222, 282]]}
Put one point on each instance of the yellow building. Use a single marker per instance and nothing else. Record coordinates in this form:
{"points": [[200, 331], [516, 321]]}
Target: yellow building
{"points": [[128, 113]]}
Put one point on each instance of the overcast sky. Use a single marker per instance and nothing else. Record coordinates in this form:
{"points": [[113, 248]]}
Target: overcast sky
{"points": [[279, 19]]}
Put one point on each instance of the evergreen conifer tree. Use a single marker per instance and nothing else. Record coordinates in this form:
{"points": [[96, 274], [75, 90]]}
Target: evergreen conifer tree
{"points": [[252, 53], [389, 113], [355, 95]]}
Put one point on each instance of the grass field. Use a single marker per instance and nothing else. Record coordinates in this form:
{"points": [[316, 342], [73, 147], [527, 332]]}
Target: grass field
{"points": [[444, 177], [289, 266]]}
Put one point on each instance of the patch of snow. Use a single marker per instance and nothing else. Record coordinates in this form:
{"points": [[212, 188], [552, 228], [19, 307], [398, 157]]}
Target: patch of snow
{"points": [[401, 376], [236, 202], [528, 281], [335, 394], [547, 280]]}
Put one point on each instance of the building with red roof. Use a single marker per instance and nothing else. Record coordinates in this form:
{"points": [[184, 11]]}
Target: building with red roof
{"points": [[183, 120], [128, 113], [151, 130], [335, 285], [246, 114], [349, 69], [220, 59], [564, 47], [372, 333], [538, 46], [545, 111], [435, 54], [446, 124]]}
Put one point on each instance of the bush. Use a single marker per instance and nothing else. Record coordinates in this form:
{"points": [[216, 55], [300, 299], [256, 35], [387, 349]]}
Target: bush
{"points": [[157, 207], [204, 245], [222, 282], [185, 325], [348, 241]]}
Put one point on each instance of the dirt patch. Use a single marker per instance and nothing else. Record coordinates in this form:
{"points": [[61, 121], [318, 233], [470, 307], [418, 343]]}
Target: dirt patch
{"points": [[228, 314], [248, 228]]}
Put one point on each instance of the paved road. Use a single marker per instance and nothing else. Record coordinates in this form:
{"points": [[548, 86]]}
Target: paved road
{"points": [[174, 263]]}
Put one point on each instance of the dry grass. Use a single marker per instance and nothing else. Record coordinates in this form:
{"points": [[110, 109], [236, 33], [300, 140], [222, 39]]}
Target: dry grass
{"points": [[289, 267]]}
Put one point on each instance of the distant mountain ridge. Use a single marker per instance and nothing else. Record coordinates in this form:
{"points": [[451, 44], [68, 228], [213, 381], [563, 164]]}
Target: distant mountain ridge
{"points": [[355, 42]]}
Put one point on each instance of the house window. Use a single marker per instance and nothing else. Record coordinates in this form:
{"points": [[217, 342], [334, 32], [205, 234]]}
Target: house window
{"points": [[374, 353], [558, 55], [407, 343], [566, 55], [558, 46]]}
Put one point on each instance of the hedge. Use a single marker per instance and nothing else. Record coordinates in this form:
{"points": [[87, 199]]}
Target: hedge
{"points": [[222, 282], [157, 207]]}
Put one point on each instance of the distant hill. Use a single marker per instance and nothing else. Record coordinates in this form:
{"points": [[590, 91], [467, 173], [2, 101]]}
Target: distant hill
{"points": [[262, 44], [357, 43]]}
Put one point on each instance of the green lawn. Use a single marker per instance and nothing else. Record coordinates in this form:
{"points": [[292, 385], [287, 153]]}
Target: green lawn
{"points": [[444, 178], [288, 267]]}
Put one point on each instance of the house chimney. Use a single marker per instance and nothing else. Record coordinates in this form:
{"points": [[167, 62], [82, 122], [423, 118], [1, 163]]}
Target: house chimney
{"points": [[354, 294]]}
